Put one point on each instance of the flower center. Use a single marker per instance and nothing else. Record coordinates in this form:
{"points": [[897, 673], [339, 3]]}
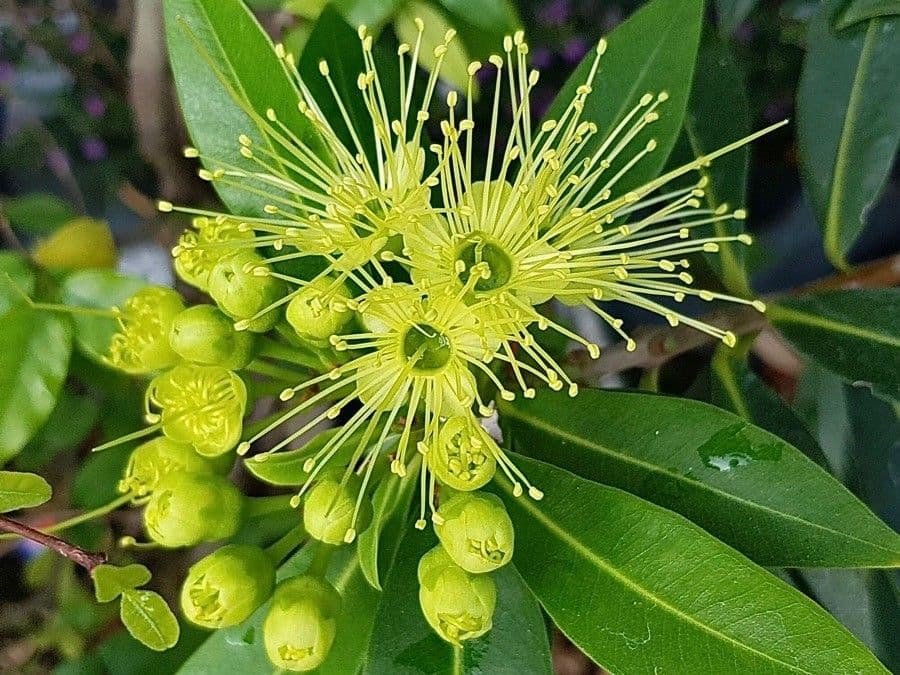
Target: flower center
{"points": [[479, 250], [428, 347]]}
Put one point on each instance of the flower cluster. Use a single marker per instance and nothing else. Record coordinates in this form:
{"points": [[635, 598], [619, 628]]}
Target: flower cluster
{"points": [[396, 303]]}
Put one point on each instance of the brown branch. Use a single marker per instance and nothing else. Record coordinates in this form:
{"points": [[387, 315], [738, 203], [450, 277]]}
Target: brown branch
{"points": [[77, 555]]}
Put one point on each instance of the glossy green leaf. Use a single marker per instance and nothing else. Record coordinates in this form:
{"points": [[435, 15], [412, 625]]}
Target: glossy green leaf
{"points": [[856, 11], [709, 125], [744, 485], [148, 618], [16, 278], [653, 51], [847, 142], [492, 16], [123, 655], [286, 468], [247, 77], [732, 13], [404, 644], [110, 581], [641, 589], [853, 333], [456, 60], [34, 357], [67, 428], [98, 289], [37, 212], [22, 491]]}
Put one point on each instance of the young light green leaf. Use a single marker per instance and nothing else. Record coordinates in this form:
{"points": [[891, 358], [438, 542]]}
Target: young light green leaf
{"points": [[22, 491], [37, 212], [640, 588], [852, 333], [857, 11], [456, 60], [110, 581], [34, 358], [148, 618], [654, 51], [847, 143], [16, 278], [711, 466]]}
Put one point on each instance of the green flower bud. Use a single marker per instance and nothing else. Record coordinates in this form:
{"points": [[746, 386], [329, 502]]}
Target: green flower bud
{"points": [[200, 249], [203, 334], [300, 627], [201, 405], [187, 508], [463, 457], [243, 288], [153, 460], [476, 531], [458, 605], [319, 310], [329, 507], [225, 587], [141, 344]]}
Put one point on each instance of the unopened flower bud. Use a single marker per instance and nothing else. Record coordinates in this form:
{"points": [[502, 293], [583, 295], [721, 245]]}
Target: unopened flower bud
{"points": [[319, 310], [141, 344], [225, 587], [301, 624], [463, 456], [199, 249], [243, 292], [188, 508], [329, 507], [153, 460], [200, 405], [458, 605], [476, 531], [203, 334]]}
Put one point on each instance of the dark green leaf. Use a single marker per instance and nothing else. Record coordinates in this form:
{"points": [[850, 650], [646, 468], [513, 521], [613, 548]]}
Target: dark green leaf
{"points": [[123, 655], [73, 418], [404, 644], [653, 51], [98, 289], [22, 491], [286, 468], [110, 581], [34, 356], [641, 589], [20, 280], [847, 140], [219, 106], [493, 16], [149, 619], [38, 212], [853, 333], [732, 13], [856, 11], [744, 485], [372, 13], [97, 477]]}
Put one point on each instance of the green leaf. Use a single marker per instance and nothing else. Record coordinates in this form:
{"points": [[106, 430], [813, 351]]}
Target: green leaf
{"points": [[709, 125], [37, 212], [641, 589], [744, 485], [456, 60], [217, 105], [286, 468], [22, 491], [67, 428], [390, 505], [97, 289], [653, 51], [732, 13], [110, 581], [20, 280], [493, 16], [852, 333], [857, 11], [847, 138], [123, 655], [404, 643], [34, 356], [149, 619]]}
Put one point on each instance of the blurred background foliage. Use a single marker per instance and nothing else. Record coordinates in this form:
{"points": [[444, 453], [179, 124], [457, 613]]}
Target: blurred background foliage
{"points": [[91, 137]]}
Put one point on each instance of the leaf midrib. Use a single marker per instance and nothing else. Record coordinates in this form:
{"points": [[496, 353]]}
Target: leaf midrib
{"points": [[629, 459], [789, 315], [128, 596]]}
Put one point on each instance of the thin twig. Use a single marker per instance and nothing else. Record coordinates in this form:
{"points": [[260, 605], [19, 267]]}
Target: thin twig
{"points": [[77, 555], [7, 233]]}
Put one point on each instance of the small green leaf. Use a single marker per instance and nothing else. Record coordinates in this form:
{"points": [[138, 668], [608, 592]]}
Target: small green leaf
{"points": [[732, 13], [38, 212], [110, 581], [456, 61], [857, 11], [20, 280], [847, 141], [97, 289], [286, 468], [22, 491], [149, 619], [653, 51], [640, 588], [711, 466], [852, 333], [34, 357]]}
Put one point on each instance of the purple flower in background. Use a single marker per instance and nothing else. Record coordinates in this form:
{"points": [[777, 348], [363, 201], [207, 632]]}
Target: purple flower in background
{"points": [[575, 49], [57, 161], [79, 43], [555, 13], [93, 149], [94, 106], [541, 58]]}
